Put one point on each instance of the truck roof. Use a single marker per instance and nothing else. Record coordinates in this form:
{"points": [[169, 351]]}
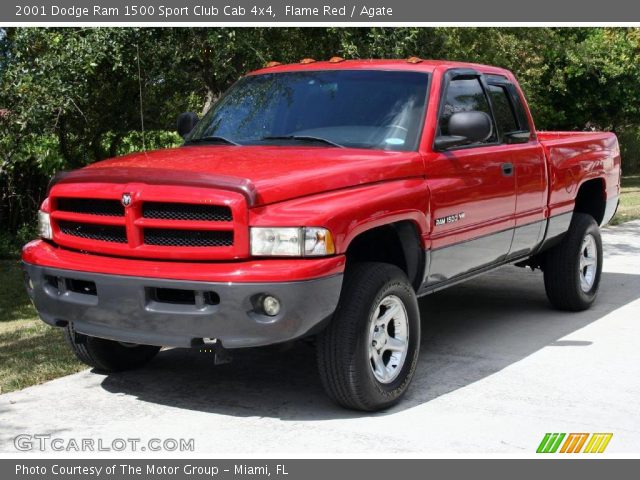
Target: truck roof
{"points": [[427, 66]]}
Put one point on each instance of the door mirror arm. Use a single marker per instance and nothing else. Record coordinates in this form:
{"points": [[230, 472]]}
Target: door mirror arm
{"points": [[445, 142]]}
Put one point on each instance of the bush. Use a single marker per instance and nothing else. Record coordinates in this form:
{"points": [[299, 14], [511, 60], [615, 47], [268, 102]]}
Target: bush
{"points": [[629, 139], [10, 245], [23, 181], [7, 245]]}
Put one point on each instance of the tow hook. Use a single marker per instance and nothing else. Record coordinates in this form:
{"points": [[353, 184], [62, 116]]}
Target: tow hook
{"points": [[221, 354]]}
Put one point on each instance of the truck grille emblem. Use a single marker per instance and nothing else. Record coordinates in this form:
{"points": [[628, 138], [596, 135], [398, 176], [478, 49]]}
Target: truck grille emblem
{"points": [[126, 199]]}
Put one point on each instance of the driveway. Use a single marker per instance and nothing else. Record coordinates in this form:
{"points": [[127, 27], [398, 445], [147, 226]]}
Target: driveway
{"points": [[499, 368]]}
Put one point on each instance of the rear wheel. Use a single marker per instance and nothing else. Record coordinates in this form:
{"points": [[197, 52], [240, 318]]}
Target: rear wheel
{"points": [[368, 354], [107, 355], [572, 269]]}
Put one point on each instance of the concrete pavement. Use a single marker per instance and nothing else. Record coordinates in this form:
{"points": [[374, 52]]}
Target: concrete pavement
{"points": [[498, 369]]}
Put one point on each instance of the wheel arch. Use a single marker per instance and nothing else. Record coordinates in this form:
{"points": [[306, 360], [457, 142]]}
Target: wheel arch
{"points": [[591, 199], [398, 243]]}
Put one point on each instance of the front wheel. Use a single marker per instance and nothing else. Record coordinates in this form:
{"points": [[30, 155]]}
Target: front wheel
{"points": [[572, 268], [106, 355], [368, 354]]}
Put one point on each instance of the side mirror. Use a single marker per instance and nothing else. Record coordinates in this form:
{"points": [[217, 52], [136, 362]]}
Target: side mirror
{"points": [[186, 122], [465, 128]]}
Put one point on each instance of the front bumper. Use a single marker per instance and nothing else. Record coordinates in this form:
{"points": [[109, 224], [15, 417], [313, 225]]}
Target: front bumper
{"points": [[180, 313]]}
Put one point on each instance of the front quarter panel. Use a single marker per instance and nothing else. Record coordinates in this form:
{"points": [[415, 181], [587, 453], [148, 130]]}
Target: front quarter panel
{"points": [[350, 212]]}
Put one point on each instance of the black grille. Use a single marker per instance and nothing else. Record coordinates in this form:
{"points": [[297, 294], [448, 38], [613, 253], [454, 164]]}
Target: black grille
{"points": [[92, 206], [186, 211], [106, 233], [187, 238]]}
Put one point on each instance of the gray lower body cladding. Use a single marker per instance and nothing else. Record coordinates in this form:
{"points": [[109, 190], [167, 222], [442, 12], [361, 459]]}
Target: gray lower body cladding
{"points": [[180, 313]]}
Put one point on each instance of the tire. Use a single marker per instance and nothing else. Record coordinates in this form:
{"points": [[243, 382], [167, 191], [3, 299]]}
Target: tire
{"points": [[343, 348], [106, 355], [570, 284]]}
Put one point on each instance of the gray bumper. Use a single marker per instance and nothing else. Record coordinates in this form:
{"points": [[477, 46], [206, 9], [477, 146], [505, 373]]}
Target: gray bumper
{"points": [[180, 313]]}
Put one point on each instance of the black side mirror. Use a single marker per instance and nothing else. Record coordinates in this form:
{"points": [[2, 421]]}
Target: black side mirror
{"points": [[465, 128], [186, 122]]}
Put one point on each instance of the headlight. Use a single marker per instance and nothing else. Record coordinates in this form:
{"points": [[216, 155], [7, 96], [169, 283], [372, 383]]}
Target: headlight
{"points": [[44, 225], [291, 242]]}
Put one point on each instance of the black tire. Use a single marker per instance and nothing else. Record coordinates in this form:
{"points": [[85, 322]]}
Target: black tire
{"points": [[561, 265], [343, 347], [106, 355]]}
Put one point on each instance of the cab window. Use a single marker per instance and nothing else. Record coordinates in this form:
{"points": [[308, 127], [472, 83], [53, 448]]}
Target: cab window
{"points": [[503, 111], [464, 95]]}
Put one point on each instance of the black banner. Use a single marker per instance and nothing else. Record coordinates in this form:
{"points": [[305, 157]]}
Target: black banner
{"points": [[315, 469], [296, 11]]}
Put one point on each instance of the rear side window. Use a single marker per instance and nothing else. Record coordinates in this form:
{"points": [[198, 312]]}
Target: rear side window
{"points": [[463, 95], [523, 121], [503, 110]]}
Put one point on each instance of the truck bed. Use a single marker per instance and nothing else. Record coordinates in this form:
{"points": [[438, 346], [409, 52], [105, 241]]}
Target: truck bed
{"points": [[576, 157]]}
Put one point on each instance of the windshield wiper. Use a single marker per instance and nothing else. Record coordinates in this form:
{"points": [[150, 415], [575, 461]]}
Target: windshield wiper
{"points": [[211, 139], [303, 138]]}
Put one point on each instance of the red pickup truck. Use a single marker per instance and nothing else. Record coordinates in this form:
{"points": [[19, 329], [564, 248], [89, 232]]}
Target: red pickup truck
{"points": [[320, 200]]}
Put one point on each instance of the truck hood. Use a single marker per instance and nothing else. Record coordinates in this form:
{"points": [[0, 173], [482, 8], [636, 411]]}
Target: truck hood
{"points": [[265, 174]]}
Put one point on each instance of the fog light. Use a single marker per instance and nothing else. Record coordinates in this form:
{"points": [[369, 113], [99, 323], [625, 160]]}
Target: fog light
{"points": [[271, 305]]}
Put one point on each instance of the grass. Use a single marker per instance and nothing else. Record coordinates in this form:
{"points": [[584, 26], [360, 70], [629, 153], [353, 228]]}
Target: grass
{"points": [[629, 208], [31, 352]]}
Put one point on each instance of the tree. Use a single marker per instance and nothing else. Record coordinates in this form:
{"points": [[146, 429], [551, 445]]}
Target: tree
{"points": [[71, 96]]}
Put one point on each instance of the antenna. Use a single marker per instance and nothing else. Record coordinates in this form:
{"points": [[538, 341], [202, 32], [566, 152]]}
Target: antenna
{"points": [[144, 145]]}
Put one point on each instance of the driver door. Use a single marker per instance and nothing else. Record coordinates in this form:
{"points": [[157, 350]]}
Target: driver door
{"points": [[473, 189]]}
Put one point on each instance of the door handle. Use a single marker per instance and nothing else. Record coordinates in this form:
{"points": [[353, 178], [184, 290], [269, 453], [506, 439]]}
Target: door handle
{"points": [[507, 169]]}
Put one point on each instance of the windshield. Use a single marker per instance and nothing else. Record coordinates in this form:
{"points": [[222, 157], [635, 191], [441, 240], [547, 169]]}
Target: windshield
{"points": [[348, 108]]}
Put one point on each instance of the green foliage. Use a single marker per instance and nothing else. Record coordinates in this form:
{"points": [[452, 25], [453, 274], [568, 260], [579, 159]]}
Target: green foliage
{"points": [[8, 247], [629, 138], [72, 96], [10, 244]]}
